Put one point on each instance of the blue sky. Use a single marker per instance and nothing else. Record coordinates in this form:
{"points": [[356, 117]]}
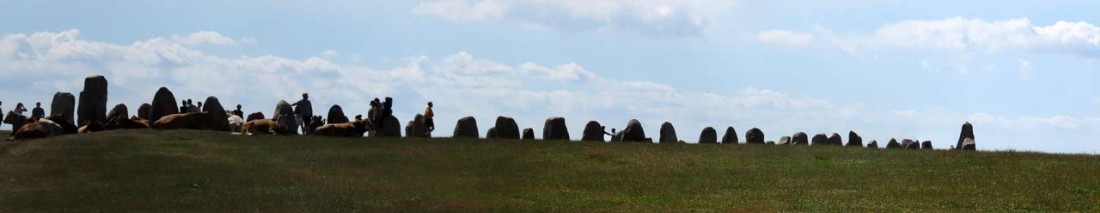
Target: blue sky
{"points": [[1024, 72]]}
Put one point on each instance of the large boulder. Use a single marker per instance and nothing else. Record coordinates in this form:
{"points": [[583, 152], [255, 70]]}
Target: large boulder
{"points": [[336, 115], [709, 135], [634, 132], [873, 144], [730, 137], [144, 110], [164, 103], [391, 127], [284, 108], [854, 139], [593, 131], [254, 116], [800, 138], [835, 140], [93, 100], [967, 132], [820, 139], [754, 136], [910, 144], [668, 134], [506, 128], [969, 145], [785, 140], [491, 133], [926, 145], [466, 128], [119, 112], [528, 134], [218, 119], [64, 105], [893, 144], [554, 129], [416, 127]]}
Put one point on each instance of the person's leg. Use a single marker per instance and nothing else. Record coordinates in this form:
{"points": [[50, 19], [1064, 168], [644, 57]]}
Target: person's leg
{"points": [[307, 121], [431, 126]]}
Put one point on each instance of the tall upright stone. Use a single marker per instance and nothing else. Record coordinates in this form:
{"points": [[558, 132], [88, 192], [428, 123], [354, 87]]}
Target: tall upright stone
{"points": [[217, 119], [64, 104], [967, 132], [668, 134], [709, 135], [336, 115], [554, 129], [754, 136], [506, 128], [164, 103], [144, 110], [854, 139], [800, 138], [466, 127], [93, 100], [633, 132], [730, 137], [528, 134], [593, 131]]}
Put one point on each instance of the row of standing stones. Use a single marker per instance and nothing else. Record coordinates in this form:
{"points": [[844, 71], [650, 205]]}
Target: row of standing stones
{"points": [[92, 106], [554, 129]]}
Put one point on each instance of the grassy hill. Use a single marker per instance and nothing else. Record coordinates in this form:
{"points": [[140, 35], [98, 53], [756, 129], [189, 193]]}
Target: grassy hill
{"points": [[207, 171]]}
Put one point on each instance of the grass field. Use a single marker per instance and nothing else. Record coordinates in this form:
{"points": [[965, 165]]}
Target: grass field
{"points": [[206, 171]]}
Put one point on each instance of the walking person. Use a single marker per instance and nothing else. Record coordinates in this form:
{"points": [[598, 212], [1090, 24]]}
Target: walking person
{"points": [[428, 122], [305, 111]]}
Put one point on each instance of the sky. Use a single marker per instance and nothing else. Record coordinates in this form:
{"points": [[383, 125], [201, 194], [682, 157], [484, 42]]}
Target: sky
{"points": [[1025, 73]]}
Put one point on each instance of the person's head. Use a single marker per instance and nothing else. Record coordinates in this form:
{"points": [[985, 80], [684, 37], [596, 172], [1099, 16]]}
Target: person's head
{"points": [[190, 102], [200, 103], [238, 107], [38, 104], [20, 104], [305, 96], [184, 102], [429, 104]]}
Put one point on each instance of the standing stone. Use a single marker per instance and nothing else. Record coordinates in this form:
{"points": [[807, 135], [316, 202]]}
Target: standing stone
{"points": [[63, 104], [416, 127], [785, 140], [967, 132], [119, 112], [144, 110], [893, 144], [93, 100], [819, 140], [910, 144], [754, 136], [391, 127], [336, 115], [800, 138], [969, 145], [730, 137], [854, 139], [873, 144], [254, 116], [554, 129], [506, 128], [466, 128], [491, 133], [633, 132], [835, 140], [217, 119], [926, 145], [164, 103], [709, 135], [284, 108], [668, 134], [593, 131], [528, 134]]}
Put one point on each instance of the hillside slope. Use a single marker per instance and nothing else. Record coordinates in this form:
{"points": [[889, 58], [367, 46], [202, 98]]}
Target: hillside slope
{"points": [[207, 171]]}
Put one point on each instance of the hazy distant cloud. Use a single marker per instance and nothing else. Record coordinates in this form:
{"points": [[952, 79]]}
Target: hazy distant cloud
{"points": [[648, 17], [975, 35], [788, 38]]}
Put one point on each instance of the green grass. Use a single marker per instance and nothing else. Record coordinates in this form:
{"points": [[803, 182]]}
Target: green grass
{"points": [[206, 171]]}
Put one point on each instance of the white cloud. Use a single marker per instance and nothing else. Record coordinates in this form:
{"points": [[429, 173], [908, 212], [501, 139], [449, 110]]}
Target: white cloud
{"points": [[788, 38], [649, 17], [975, 36]]}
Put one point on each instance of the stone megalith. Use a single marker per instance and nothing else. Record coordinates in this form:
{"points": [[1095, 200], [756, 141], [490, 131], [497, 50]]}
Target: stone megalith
{"points": [[416, 127], [730, 137], [910, 144], [893, 144], [466, 127], [528, 134], [820, 139], [215, 114], [754, 136], [506, 128], [336, 115], [926, 145], [491, 133], [969, 145], [873, 144], [284, 108], [554, 129], [93, 100], [967, 132], [668, 134], [835, 140], [119, 112], [164, 103], [391, 127], [64, 104], [709, 135], [800, 138], [785, 140], [854, 139], [144, 110], [254, 116], [633, 132], [593, 131]]}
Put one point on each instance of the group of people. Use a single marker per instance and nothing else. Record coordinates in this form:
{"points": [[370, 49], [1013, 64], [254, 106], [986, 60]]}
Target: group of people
{"points": [[189, 107], [37, 112]]}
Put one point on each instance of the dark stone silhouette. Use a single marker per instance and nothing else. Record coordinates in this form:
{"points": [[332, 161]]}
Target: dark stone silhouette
{"points": [[64, 104], [633, 132], [164, 103], [730, 137], [466, 128], [254, 116], [820, 139], [506, 128], [217, 118], [709, 135], [910, 144], [926, 145], [528, 134], [491, 133], [754, 136], [800, 138], [668, 134], [417, 128], [969, 145], [854, 140], [835, 140], [593, 131], [336, 115], [144, 110], [391, 127], [893, 144], [119, 112], [93, 100], [785, 140], [554, 129], [873, 144], [967, 132]]}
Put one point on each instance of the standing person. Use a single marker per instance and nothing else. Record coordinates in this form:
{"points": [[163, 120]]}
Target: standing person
{"points": [[200, 106], [183, 106], [238, 111], [19, 109], [428, 115], [38, 112], [191, 108], [305, 110]]}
